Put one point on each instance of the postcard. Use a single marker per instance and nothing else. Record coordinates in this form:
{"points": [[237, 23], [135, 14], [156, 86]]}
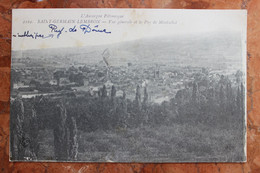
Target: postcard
{"points": [[128, 85]]}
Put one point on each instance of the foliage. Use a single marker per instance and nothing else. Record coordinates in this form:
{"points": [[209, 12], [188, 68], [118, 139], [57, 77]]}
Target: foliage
{"points": [[209, 102]]}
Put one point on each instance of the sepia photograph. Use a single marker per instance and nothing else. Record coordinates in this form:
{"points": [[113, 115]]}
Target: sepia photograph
{"points": [[128, 85]]}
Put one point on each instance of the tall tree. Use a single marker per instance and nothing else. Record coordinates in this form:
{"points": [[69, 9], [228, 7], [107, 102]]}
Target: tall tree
{"points": [[138, 97], [113, 92], [60, 132], [228, 92], [17, 130], [57, 75], [221, 94], [195, 92], [72, 138], [79, 79], [113, 95], [124, 95], [239, 76], [33, 133], [104, 91], [145, 99]]}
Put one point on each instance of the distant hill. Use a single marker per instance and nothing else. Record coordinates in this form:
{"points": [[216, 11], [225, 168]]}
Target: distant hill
{"points": [[195, 50]]}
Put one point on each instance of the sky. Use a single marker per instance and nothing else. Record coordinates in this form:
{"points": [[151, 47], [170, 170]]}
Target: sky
{"points": [[182, 22]]}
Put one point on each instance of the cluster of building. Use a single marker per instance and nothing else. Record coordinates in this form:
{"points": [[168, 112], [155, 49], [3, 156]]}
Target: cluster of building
{"points": [[162, 81]]}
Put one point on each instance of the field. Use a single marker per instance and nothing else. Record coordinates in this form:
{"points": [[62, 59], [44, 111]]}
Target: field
{"points": [[175, 143]]}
